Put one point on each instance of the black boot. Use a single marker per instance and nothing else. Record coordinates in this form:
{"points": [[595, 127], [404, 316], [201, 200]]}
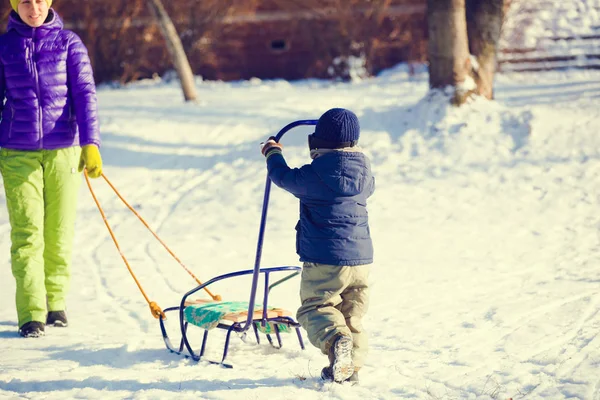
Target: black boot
{"points": [[57, 318], [326, 374], [32, 329]]}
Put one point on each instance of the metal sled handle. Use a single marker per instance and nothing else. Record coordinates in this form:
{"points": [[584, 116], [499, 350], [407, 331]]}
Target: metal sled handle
{"points": [[263, 223]]}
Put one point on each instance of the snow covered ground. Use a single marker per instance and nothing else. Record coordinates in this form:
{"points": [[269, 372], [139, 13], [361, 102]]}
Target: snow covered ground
{"points": [[485, 223], [541, 34]]}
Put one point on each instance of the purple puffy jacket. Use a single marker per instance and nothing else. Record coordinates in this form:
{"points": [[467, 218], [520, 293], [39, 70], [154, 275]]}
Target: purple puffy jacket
{"points": [[47, 80]]}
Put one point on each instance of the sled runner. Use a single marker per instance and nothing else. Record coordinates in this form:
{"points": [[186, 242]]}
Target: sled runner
{"points": [[231, 316]]}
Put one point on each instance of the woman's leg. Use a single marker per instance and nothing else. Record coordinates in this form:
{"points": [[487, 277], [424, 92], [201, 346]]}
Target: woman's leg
{"points": [[23, 182], [61, 189]]}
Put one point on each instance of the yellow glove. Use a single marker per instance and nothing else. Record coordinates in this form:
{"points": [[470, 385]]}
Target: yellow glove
{"points": [[91, 160]]}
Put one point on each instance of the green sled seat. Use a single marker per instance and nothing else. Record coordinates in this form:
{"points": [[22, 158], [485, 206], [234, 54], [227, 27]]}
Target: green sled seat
{"points": [[207, 314]]}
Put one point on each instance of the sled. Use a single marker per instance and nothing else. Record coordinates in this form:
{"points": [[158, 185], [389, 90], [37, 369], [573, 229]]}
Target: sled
{"points": [[237, 316]]}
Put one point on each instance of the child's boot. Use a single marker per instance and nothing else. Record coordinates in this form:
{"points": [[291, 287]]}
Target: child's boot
{"points": [[327, 375], [340, 358], [354, 377]]}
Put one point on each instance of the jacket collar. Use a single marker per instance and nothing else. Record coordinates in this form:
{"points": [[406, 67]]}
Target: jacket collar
{"points": [[316, 153], [53, 22]]}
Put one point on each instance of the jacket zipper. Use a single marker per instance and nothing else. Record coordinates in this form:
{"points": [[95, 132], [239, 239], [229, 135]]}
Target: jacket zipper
{"points": [[37, 88], [12, 120]]}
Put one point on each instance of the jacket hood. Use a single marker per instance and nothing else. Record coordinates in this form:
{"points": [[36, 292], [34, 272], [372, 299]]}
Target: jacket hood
{"points": [[346, 173], [52, 22]]}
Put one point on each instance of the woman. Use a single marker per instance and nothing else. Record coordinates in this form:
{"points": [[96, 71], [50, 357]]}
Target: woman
{"points": [[49, 128]]}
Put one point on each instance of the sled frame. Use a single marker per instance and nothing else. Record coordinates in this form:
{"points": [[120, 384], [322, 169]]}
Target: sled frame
{"points": [[186, 349]]}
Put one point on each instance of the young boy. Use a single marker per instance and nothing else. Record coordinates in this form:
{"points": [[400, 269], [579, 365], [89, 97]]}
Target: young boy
{"points": [[48, 110], [332, 239]]}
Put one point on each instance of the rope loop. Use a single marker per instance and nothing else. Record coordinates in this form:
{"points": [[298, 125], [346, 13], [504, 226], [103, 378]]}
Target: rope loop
{"points": [[156, 311]]}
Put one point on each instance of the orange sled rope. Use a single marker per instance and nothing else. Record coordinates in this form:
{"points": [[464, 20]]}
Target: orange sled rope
{"points": [[155, 309]]}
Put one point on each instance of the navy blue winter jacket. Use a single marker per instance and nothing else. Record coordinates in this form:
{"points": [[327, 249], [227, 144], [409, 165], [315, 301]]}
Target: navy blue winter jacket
{"points": [[333, 190]]}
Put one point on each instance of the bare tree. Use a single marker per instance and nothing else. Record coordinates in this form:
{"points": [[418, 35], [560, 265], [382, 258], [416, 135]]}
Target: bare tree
{"points": [[360, 26], [206, 31], [484, 25], [457, 30], [344, 35], [113, 34], [178, 56]]}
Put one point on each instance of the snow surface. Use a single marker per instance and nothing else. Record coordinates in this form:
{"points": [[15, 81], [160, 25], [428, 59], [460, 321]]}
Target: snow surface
{"points": [[485, 223], [550, 34]]}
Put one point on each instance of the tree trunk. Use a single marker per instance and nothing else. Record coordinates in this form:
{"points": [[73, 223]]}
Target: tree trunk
{"points": [[180, 60], [448, 48], [484, 23]]}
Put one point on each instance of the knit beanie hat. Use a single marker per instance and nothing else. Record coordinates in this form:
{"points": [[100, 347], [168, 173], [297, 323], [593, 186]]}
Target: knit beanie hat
{"points": [[336, 129], [15, 4]]}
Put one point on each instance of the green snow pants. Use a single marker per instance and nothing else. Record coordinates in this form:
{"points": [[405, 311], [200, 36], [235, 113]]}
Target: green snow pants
{"points": [[41, 195], [334, 301]]}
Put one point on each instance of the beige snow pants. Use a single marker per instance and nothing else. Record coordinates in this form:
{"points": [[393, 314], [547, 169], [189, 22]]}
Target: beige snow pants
{"points": [[334, 301]]}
